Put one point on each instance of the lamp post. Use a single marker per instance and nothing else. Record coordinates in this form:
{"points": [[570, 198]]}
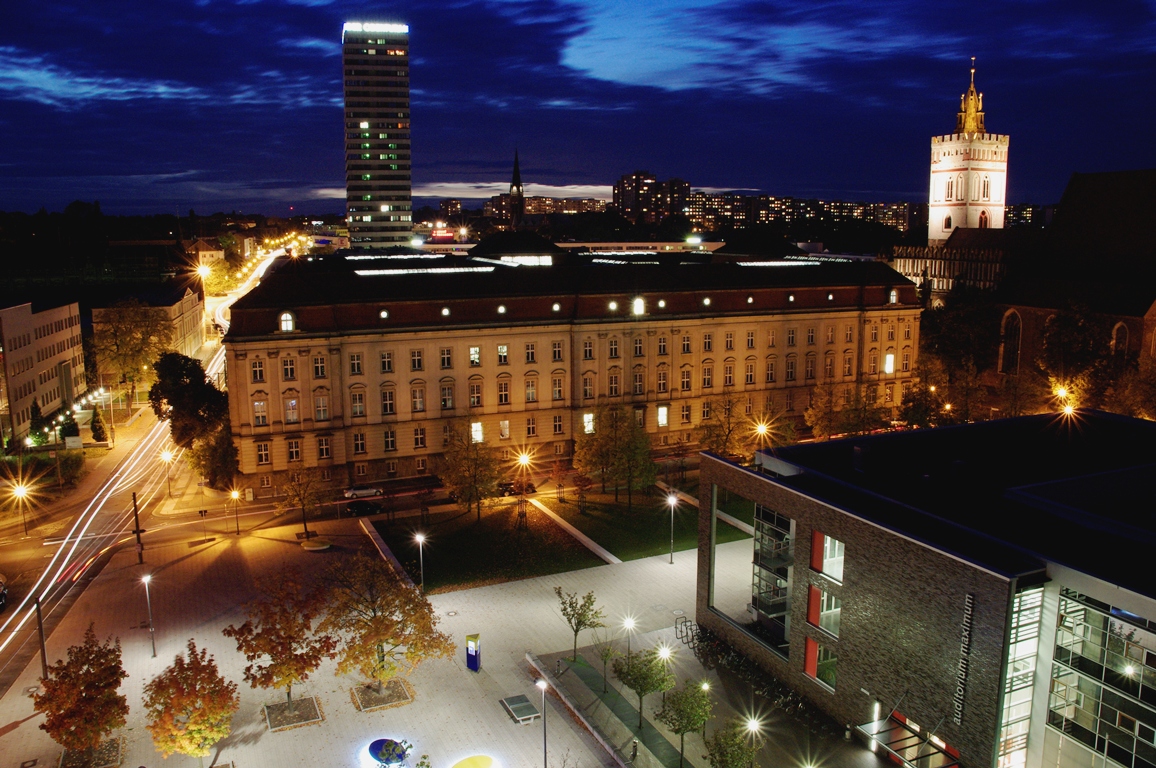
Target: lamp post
{"points": [[672, 500], [664, 654], [20, 493], [628, 625], [235, 495], [420, 539], [754, 731], [167, 458], [148, 601], [542, 684]]}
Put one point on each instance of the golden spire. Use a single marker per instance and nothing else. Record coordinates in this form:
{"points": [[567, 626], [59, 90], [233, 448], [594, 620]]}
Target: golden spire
{"points": [[970, 116]]}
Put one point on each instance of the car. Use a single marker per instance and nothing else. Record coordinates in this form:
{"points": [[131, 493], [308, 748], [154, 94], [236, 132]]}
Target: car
{"points": [[510, 488], [3, 592], [362, 491], [360, 507]]}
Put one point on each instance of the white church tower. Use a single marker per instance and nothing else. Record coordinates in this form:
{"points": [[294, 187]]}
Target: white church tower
{"points": [[968, 173]]}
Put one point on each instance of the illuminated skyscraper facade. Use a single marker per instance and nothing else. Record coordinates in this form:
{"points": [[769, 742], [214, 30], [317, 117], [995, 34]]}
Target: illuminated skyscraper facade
{"points": [[375, 64]]}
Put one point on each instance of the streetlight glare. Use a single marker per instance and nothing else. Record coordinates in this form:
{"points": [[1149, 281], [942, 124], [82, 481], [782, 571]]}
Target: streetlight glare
{"points": [[1062, 392], [146, 578], [1069, 410], [166, 456], [524, 459], [672, 500], [761, 429], [20, 491], [628, 622], [705, 685], [234, 494], [541, 684], [664, 652], [203, 270], [419, 538], [754, 725]]}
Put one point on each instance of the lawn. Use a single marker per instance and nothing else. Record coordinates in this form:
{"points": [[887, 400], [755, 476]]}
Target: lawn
{"points": [[461, 552], [641, 532]]}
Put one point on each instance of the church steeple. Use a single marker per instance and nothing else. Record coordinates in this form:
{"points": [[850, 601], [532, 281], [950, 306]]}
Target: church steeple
{"points": [[969, 119], [517, 201]]}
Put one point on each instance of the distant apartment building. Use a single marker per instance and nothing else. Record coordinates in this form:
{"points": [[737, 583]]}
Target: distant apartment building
{"points": [[375, 64], [41, 360], [500, 207], [450, 207], [710, 211], [643, 199]]}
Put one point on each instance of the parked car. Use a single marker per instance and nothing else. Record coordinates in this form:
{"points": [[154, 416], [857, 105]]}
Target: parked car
{"points": [[362, 507], [510, 488], [3, 592], [362, 491]]}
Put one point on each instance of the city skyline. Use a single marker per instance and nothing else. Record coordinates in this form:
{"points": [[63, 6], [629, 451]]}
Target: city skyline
{"points": [[192, 107]]}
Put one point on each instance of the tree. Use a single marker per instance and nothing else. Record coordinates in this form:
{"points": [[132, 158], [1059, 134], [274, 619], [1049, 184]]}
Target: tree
{"points": [[861, 416], [595, 452], [277, 639], [821, 415], [79, 697], [558, 477], [68, 425], [963, 337], [726, 431], [579, 614], [37, 423], [383, 621], [128, 337], [582, 484], [644, 673], [606, 654], [632, 463], [303, 490], [97, 426], [471, 468], [182, 394], [685, 710], [732, 746], [189, 707], [1076, 355], [921, 406], [214, 457], [1134, 393]]}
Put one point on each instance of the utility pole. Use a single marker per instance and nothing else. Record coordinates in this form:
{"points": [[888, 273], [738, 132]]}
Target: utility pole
{"points": [[138, 531], [43, 652]]}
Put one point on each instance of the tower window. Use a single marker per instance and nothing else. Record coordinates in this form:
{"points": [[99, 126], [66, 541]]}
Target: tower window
{"points": [[946, 223]]}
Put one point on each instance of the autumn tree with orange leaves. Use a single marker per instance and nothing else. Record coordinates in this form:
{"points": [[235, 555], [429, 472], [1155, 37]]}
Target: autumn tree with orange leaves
{"points": [[190, 706]]}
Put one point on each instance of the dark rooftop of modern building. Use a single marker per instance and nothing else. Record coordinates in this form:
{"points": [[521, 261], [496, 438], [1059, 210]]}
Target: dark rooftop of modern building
{"points": [[1005, 494]]}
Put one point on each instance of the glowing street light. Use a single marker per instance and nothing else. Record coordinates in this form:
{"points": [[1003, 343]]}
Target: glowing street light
{"points": [[754, 729], [628, 625], [1069, 410], [20, 493], [203, 270], [235, 495], [542, 685], [148, 600], [672, 500], [420, 539]]}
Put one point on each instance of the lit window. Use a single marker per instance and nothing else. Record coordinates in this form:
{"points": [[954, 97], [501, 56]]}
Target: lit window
{"points": [[638, 306], [287, 322], [889, 363], [827, 555], [819, 662], [588, 423], [476, 432], [663, 415]]}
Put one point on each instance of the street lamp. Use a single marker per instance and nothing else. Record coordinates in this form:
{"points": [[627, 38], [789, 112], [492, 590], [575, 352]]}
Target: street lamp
{"points": [[665, 653], [672, 500], [628, 625], [148, 600], [754, 728], [235, 495], [420, 539], [167, 458], [20, 493], [542, 685]]}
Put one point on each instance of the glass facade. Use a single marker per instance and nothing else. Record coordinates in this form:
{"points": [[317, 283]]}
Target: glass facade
{"points": [[1103, 686], [772, 579], [1019, 678]]}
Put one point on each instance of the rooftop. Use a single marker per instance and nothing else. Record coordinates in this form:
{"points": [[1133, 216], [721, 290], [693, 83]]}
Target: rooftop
{"points": [[1005, 494]]}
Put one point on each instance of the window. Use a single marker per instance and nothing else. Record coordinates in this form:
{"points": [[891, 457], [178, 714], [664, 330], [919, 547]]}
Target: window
{"points": [[588, 423], [819, 662], [476, 435], [848, 333], [639, 383], [663, 415], [323, 448], [390, 440], [531, 352], [889, 362], [789, 400], [907, 331], [503, 354], [288, 369], [730, 340], [847, 365], [531, 390], [387, 362], [556, 351], [531, 427], [263, 453], [891, 333], [287, 323], [415, 360], [612, 385], [684, 413], [874, 333], [556, 388], [258, 369], [504, 392], [587, 387], [790, 337], [770, 371], [387, 404], [419, 437], [827, 555], [829, 367], [419, 465], [417, 399], [684, 380], [359, 442], [357, 403], [360, 469], [447, 397], [823, 609], [889, 393], [809, 367], [790, 369], [557, 425], [771, 338], [588, 350], [638, 347], [686, 345], [355, 364], [321, 407], [810, 337], [893, 297], [613, 348], [707, 343], [750, 373], [291, 415], [293, 449], [706, 410], [830, 334], [662, 381], [662, 345], [750, 339], [729, 375], [475, 357], [447, 358], [504, 431], [260, 413], [873, 362], [475, 394]]}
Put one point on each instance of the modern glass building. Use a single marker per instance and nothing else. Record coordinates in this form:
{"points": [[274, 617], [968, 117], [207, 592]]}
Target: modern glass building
{"points": [[375, 68], [977, 595]]}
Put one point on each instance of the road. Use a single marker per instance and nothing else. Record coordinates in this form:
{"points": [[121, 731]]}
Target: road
{"points": [[71, 540]]}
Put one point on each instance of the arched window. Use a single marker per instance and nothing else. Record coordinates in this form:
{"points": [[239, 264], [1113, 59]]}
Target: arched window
{"points": [[959, 188], [986, 188], [287, 322], [946, 223], [983, 223], [893, 297], [1120, 339], [949, 190], [1009, 349]]}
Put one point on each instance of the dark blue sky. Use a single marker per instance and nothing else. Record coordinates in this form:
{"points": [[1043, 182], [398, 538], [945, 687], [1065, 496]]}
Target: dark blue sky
{"points": [[168, 105]]}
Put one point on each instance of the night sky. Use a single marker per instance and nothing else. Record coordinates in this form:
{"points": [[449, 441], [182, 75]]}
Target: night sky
{"points": [[165, 105]]}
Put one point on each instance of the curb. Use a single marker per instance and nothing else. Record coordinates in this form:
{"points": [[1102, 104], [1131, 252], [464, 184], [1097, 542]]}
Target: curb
{"points": [[384, 551], [576, 711]]}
